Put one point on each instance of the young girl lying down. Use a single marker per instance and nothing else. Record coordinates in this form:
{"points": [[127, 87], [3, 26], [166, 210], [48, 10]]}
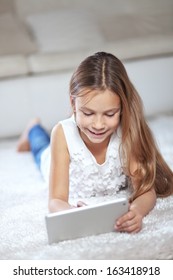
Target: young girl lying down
{"points": [[103, 146]]}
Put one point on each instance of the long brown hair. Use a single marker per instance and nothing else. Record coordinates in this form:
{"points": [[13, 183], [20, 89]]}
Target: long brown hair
{"points": [[103, 71]]}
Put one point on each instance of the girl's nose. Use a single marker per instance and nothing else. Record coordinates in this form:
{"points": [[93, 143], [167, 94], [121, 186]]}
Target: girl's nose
{"points": [[98, 123]]}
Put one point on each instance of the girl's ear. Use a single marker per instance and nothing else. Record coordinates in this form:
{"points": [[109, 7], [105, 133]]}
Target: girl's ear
{"points": [[72, 101]]}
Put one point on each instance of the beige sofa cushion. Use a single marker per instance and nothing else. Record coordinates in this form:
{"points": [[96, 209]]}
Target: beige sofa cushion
{"points": [[65, 30], [6, 6], [57, 35], [123, 27], [13, 65], [14, 38]]}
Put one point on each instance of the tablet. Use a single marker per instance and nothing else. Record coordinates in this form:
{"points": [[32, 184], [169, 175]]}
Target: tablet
{"points": [[84, 221]]}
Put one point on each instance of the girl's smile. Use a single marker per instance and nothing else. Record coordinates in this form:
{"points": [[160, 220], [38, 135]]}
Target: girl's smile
{"points": [[96, 134]]}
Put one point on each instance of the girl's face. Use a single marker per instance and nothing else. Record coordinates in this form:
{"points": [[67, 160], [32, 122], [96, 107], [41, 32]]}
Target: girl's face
{"points": [[97, 115]]}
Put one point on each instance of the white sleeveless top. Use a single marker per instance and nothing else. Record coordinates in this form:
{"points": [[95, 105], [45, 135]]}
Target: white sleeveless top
{"points": [[87, 178]]}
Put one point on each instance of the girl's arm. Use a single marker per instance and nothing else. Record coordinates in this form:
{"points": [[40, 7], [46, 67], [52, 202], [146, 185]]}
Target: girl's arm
{"points": [[138, 209], [59, 171], [144, 203]]}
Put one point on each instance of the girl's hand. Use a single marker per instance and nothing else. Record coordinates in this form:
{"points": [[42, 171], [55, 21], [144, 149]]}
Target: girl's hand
{"points": [[130, 222]]}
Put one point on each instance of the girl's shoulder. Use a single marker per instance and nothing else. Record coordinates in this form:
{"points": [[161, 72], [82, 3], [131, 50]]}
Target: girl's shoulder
{"points": [[69, 127], [64, 133], [57, 137], [58, 129], [71, 134]]}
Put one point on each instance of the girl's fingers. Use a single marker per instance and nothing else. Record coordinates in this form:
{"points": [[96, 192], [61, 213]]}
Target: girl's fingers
{"points": [[125, 218], [129, 228]]}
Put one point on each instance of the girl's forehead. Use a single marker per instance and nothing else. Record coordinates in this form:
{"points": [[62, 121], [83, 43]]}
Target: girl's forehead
{"points": [[106, 96]]}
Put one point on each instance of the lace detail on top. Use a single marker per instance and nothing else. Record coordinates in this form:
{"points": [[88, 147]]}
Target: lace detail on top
{"points": [[87, 177]]}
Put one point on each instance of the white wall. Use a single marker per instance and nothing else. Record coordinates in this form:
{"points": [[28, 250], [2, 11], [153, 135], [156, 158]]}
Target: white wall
{"points": [[154, 81], [22, 99], [48, 96]]}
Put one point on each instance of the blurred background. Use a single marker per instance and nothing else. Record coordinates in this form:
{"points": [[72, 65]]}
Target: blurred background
{"points": [[43, 41]]}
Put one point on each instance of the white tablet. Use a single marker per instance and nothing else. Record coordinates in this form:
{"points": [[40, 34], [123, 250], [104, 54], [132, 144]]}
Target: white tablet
{"points": [[85, 221]]}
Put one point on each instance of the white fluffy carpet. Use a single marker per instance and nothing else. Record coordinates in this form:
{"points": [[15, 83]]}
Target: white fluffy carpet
{"points": [[23, 206]]}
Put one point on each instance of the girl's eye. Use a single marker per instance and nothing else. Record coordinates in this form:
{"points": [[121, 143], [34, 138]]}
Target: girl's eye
{"points": [[87, 114], [113, 114], [110, 115]]}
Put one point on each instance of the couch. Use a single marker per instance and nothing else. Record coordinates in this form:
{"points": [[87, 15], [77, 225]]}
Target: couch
{"points": [[49, 35], [43, 41]]}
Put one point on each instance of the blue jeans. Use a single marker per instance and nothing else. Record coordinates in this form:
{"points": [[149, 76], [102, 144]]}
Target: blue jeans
{"points": [[39, 140]]}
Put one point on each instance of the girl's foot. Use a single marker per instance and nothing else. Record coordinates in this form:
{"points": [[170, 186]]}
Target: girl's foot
{"points": [[23, 142]]}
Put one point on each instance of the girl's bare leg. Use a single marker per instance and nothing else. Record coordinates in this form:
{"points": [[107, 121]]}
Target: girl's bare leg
{"points": [[23, 142]]}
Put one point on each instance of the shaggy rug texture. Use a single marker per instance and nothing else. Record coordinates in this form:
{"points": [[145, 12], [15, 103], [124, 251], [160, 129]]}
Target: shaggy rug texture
{"points": [[23, 206]]}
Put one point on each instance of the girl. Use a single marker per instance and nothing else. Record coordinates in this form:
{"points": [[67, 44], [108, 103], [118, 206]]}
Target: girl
{"points": [[105, 146]]}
